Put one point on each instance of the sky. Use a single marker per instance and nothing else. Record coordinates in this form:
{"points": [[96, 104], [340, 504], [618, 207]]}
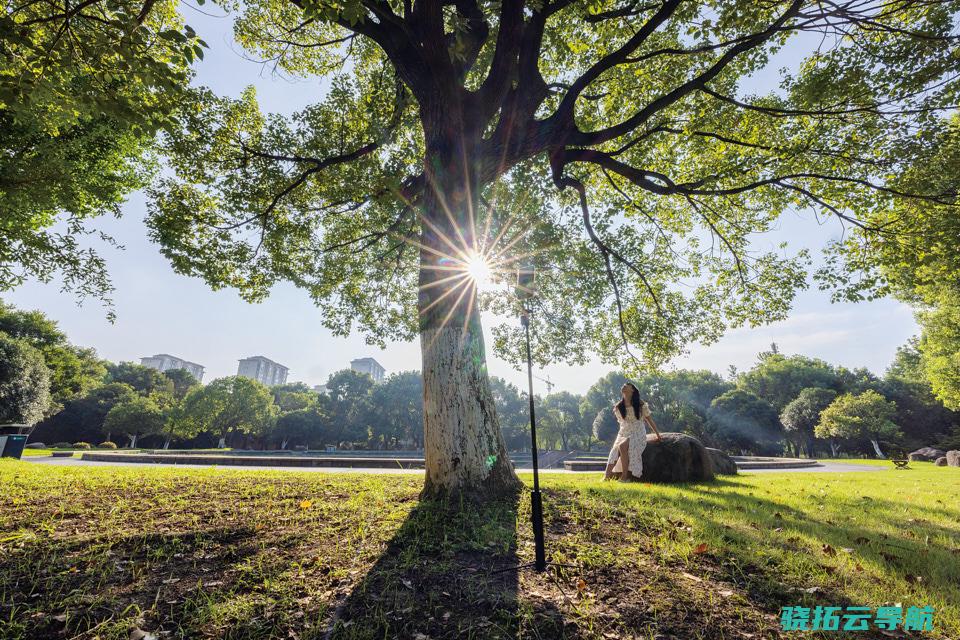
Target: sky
{"points": [[159, 311]]}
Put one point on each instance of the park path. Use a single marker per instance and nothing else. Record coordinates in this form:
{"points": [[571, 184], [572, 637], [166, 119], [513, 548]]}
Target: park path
{"points": [[826, 467]]}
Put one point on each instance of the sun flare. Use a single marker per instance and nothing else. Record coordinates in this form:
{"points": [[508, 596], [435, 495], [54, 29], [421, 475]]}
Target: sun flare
{"points": [[479, 271]]}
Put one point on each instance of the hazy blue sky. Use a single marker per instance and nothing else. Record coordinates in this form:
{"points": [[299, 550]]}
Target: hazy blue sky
{"points": [[159, 311]]}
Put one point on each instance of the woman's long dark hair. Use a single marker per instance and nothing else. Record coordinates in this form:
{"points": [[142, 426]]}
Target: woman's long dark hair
{"points": [[635, 401]]}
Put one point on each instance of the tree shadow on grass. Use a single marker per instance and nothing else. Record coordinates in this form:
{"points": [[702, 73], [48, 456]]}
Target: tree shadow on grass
{"points": [[87, 588], [448, 572]]}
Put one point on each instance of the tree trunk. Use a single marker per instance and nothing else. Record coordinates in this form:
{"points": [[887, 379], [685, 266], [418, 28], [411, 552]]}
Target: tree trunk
{"points": [[133, 441], [464, 450], [876, 448], [166, 443], [222, 444]]}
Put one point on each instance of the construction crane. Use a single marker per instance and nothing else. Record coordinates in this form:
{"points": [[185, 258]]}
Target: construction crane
{"points": [[549, 384]]}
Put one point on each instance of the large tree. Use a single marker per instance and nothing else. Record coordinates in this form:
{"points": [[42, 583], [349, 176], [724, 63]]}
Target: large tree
{"points": [[396, 407], [144, 380], [562, 422], [920, 414], [183, 381], [922, 266], [81, 419], [608, 143], [513, 413], [348, 392], [779, 379]]}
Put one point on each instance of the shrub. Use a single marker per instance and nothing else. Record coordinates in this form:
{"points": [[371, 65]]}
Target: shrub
{"points": [[81, 445], [107, 445], [62, 445]]}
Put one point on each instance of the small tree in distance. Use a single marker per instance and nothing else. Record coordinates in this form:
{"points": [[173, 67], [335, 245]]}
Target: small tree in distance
{"points": [[605, 426], [740, 421], [801, 416], [183, 381], [24, 382], [135, 417], [868, 416], [230, 405]]}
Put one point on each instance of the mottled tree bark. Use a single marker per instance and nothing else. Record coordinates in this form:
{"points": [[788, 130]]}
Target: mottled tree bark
{"points": [[463, 447]]}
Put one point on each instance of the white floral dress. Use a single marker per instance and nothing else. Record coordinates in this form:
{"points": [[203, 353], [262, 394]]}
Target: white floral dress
{"points": [[632, 431]]}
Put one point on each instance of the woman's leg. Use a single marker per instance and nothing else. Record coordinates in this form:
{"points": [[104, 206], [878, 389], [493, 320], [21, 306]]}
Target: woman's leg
{"points": [[626, 476], [611, 463]]}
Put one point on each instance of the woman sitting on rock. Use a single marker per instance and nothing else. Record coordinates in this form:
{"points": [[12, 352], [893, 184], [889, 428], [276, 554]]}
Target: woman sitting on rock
{"points": [[626, 455]]}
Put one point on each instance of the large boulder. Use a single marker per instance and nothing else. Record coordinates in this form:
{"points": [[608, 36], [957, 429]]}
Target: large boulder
{"points": [[926, 454], [723, 464], [941, 461], [953, 458], [35, 445], [677, 458]]}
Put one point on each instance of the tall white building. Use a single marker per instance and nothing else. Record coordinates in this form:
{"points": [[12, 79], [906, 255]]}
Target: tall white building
{"points": [[369, 366], [165, 362], [263, 370]]}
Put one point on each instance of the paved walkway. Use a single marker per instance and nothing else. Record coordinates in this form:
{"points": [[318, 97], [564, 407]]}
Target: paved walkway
{"points": [[827, 467]]}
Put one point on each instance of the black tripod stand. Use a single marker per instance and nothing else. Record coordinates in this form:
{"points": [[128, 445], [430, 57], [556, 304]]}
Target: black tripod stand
{"points": [[536, 502], [524, 292]]}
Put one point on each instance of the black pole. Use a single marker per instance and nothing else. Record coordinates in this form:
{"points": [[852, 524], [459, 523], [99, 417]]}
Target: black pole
{"points": [[536, 503]]}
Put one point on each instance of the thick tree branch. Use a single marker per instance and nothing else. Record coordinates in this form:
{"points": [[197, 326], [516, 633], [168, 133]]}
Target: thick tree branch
{"points": [[617, 57], [694, 84]]}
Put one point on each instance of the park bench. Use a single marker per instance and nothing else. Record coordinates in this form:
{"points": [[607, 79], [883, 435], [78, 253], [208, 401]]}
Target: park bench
{"points": [[900, 463]]}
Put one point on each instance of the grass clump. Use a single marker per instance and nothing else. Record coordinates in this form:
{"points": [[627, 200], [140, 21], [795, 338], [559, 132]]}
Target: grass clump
{"points": [[96, 552]]}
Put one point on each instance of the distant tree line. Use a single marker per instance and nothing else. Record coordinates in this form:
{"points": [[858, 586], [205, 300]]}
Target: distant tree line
{"points": [[791, 405]]}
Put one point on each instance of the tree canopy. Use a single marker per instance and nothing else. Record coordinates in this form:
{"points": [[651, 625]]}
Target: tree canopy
{"points": [[547, 97], [923, 266], [230, 405], [83, 90], [779, 379], [802, 414], [73, 370], [865, 417], [143, 379], [24, 382], [135, 417]]}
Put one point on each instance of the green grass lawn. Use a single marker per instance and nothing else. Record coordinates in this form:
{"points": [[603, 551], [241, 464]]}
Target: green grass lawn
{"points": [[212, 553], [37, 452]]}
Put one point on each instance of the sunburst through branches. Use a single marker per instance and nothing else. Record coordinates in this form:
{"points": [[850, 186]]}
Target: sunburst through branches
{"points": [[487, 262]]}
